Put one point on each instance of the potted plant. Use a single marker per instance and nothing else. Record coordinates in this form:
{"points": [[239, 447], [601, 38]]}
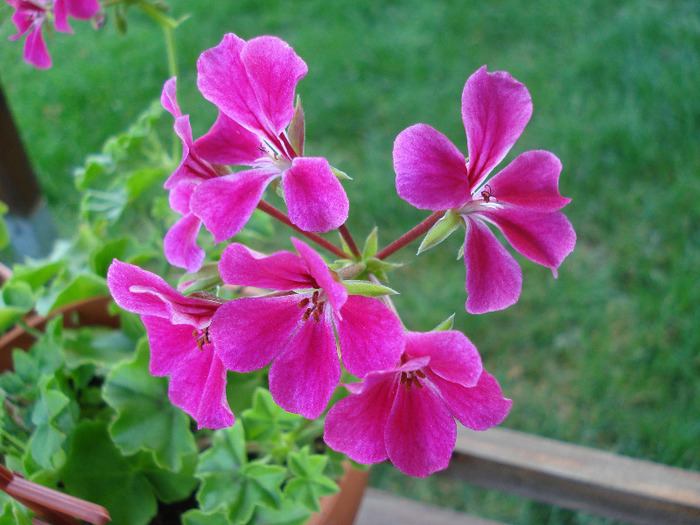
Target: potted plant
{"points": [[248, 367]]}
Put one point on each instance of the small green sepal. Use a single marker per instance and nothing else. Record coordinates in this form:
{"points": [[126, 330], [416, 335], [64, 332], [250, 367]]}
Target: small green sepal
{"points": [[368, 289], [296, 130], [440, 231], [340, 174], [447, 324], [371, 244]]}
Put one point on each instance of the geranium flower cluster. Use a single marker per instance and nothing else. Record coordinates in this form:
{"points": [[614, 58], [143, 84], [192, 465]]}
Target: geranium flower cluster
{"points": [[31, 15], [309, 319]]}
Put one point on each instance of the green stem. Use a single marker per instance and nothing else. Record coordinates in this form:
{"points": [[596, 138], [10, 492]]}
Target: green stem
{"points": [[13, 440]]}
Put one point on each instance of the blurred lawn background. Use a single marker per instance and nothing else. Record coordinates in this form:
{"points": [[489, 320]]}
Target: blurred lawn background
{"points": [[607, 354]]}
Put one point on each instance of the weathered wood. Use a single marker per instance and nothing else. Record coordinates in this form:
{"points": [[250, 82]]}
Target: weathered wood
{"points": [[381, 508], [19, 188], [576, 477]]}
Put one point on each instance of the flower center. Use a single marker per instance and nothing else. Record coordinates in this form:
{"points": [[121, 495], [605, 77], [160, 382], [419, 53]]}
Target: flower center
{"points": [[411, 378], [201, 337], [314, 307]]}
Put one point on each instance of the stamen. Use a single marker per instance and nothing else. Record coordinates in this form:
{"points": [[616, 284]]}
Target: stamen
{"points": [[317, 316], [304, 302], [307, 313], [202, 339], [314, 297]]}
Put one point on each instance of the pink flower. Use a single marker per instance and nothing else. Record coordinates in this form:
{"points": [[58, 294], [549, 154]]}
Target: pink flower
{"points": [[252, 83], [29, 18], [294, 330], [522, 201], [178, 334], [407, 414]]}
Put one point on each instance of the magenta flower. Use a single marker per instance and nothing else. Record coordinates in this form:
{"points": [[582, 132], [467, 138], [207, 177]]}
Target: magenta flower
{"points": [[252, 83], [407, 413], [294, 331], [178, 334], [30, 16], [522, 201]]}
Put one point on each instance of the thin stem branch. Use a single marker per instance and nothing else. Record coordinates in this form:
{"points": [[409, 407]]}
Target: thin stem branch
{"points": [[410, 236], [323, 243], [347, 237]]}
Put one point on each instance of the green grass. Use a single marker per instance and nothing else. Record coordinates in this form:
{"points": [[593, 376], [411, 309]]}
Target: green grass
{"points": [[606, 355]]}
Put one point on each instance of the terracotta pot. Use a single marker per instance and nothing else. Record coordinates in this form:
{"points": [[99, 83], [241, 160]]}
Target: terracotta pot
{"points": [[89, 312], [341, 507]]}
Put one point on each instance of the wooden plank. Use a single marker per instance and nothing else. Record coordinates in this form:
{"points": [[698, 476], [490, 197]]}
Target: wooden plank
{"points": [[382, 508], [19, 188], [576, 477]]}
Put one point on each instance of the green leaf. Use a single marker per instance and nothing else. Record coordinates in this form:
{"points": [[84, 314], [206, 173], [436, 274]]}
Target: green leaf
{"points": [[9, 315], [96, 471], [82, 286], [265, 420], [291, 512], [46, 444], [440, 231], [112, 249], [36, 275], [309, 483], [18, 294], [141, 180], [367, 288], [447, 324], [4, 232], [145, 417], [197, 517], [371, 244], [229, 482], [168, 486], [380, 268]]}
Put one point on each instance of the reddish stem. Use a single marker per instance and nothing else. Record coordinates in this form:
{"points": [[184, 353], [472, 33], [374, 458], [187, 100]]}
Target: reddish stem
{"points": [[350, 241], [277, 214], [410, 236]]}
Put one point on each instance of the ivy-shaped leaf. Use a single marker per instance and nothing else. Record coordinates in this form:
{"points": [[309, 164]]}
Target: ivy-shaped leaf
{"points": [[96, 471], [197, 517], [230, 483], [82, 286], [145, 417], [168, 486], [309, 483], [53, 419], [265, 420]]}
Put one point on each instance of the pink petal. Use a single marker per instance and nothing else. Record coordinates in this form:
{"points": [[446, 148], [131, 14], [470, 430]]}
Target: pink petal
{"points": [[248, 333], [226, 203], [228, 143], [82, 9], [144, 293], [282, 270], [355, 425], [530, 181], [452, 356], [60, 10], [545, 238], [180, 244], [431, 172], [168, 97], [192, 167], [480, 407], [35, 50], [371, 336], [22, 18], [420, 433], [180, 196], [494, 278], [198, 378], [495, 110], [316, 201], [318, 269], [303, 378], [253, 83], [273, 70]]}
